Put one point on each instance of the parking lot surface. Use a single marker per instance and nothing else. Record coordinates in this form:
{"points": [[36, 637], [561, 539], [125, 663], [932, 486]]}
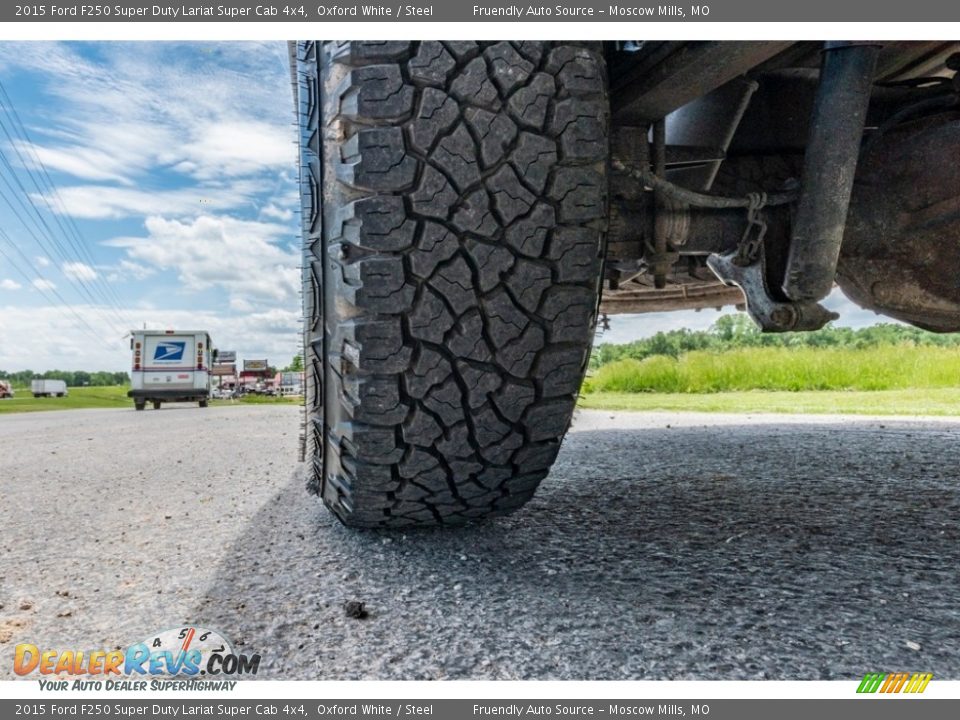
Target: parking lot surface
{"points": [[662, 546]]}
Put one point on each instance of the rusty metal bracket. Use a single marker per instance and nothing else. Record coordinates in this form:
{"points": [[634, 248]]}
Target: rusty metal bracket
{"points": [[770, 314]]}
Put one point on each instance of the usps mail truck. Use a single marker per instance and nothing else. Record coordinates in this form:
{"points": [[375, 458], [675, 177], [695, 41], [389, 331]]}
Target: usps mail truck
{"points": [[170, 366]]}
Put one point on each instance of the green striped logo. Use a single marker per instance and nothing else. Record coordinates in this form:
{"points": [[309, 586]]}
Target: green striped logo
{"points": [[895, 682]]}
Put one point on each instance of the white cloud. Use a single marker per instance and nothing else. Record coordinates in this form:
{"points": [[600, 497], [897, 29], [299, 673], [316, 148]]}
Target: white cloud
{"points": [[238, 256], [235, 148], [79, 271], [140, 107], [127, 270], [42, 284], [42, 261], [851, 314], [173, 136], [105, 201], [278, 213], [627, 328], [7, 284], [83, 162]]}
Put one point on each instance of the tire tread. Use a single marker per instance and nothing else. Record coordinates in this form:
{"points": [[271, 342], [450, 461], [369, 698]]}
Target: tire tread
{"points": [[451, 279]]}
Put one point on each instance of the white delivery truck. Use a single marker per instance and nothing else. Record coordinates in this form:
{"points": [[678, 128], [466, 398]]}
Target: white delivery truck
{"points": [[48, 388], [170, 366]]}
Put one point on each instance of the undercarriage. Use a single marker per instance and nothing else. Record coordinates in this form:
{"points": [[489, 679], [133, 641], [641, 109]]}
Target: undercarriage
{"points": [[764, 174], [469, 207]]}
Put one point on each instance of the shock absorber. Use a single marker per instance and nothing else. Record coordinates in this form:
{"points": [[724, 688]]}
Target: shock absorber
{"points": [[829, 165]]}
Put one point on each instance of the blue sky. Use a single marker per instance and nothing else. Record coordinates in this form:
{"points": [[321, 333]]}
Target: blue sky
{"points": [[177, 164]]}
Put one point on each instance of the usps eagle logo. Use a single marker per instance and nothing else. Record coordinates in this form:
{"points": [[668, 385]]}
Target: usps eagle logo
{"points": [[169, 351]]}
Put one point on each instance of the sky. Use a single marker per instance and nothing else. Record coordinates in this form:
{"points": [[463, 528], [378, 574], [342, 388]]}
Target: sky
{"points": [[175, 206], [176, 164]]}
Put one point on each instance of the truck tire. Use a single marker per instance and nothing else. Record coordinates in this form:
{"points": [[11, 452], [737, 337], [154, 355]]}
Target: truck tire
{"points": [[156, 404], [203, 403], [454, 200], [140, 405]]}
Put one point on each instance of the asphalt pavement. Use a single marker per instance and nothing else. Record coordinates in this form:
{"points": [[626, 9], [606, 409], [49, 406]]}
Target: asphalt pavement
{"points": [[662, 546]]}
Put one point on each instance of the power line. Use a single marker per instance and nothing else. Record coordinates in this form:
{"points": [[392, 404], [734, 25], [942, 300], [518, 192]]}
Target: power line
{"points": [[45, 286], [42, 226], [49, 191], [37, 239]]}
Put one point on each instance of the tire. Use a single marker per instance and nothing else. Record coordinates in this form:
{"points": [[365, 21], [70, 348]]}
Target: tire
{"points": [[452, 271], [156, 404], [203, 403], [140, 406]]}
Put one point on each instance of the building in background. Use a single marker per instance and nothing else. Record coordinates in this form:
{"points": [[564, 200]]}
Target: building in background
{"points": [[224, 370], [256, 376], [289, 383]]}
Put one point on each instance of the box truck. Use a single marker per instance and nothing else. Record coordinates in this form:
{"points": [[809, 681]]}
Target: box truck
{"points": [[170, 366], [48, 388]]}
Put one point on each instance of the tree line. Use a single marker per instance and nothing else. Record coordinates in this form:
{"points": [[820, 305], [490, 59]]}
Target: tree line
{"points": [[731, 332], [73, 378], [102, 378]]}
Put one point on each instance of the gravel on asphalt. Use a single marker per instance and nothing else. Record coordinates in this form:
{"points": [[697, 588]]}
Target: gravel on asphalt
{"points": [[662, 546]]}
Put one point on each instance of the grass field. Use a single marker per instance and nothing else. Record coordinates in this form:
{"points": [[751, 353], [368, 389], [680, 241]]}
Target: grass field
{"points": [[886, 380], [106, 397], [883, 380], [81, 397], [892, 367], [938, 402]]}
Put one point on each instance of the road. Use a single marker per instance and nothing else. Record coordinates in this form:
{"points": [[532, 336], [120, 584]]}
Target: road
{"points": [[663, 546]]}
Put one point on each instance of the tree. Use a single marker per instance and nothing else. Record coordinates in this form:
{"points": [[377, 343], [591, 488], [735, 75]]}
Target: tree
{"points": [[296, 365], [78, 378], [735, 329]]}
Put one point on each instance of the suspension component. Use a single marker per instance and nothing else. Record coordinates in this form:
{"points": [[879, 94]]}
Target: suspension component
{"points": [[829, 164]]}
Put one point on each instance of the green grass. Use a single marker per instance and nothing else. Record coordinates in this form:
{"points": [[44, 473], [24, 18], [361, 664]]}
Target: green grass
{"points": [[883, 380], [938, 402], [110, 397], [79, 397], [892, 367]]}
